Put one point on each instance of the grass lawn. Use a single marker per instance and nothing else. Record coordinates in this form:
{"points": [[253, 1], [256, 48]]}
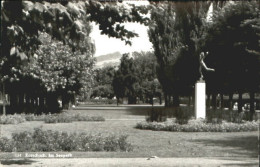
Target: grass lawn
{"points": [[122, 120]]}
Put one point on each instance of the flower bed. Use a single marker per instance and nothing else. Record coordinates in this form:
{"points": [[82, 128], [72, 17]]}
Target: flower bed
{"points": [[40, 141], [199, 126]]}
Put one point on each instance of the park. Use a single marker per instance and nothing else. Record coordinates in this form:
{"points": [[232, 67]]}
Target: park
{"points": [[192, 99]]}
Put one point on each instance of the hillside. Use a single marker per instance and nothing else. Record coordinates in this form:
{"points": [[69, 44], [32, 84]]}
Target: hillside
{"points": [[111, 59]]}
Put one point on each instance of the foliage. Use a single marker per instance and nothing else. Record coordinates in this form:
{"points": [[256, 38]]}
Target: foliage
{"points": [[148, 85], [175, 30], [217, 116], [136, 77], [67, 118], [103, 82], [233, 44], [61, 70], [22, 23], [155, 115], [102, 101], [125, 79], [12, 119], [199, 126], [183, 115], [49, 118], [41, 141]]}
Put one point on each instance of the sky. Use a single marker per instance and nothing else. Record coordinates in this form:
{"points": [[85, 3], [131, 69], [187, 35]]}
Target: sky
{"points": [[105, 45]]}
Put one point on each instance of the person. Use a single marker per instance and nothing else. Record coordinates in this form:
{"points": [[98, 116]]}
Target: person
{"points": [[203, 65]]}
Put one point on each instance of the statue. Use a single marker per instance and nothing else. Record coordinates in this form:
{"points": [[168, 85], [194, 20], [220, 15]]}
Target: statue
{"points": [[203, 65]]}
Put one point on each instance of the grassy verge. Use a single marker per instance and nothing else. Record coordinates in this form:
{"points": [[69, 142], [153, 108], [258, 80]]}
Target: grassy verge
{"points": [[146, 143]]}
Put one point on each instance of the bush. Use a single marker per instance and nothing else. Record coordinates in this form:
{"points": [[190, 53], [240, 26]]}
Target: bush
{"points": [[49, 140], [67, 118], [156, 115], [183, 115], [199, 125], [101, 101], [50, 118], [58, 118], [217, 116], [82, 117], [33, 117], [11, 119]]}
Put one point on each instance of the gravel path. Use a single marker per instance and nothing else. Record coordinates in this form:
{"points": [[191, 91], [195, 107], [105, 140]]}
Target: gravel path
{"points": [[132, 162]]}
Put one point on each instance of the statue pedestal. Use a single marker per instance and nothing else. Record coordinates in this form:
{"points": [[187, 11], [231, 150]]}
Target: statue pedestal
{"points": [[200, 99]]}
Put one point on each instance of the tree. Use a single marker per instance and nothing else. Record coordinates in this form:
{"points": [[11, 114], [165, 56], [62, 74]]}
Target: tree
{"points": [[103, 82], [148, 86], [175, 30], [23, 21], [125, 79], [136, 78], [62, 70], [233, 44]]}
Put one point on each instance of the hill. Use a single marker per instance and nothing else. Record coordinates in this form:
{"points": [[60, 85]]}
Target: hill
{"points": [[111, 59]]}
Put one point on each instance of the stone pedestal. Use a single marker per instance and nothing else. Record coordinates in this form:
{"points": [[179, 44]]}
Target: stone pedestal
{"points": [[200, 99]]}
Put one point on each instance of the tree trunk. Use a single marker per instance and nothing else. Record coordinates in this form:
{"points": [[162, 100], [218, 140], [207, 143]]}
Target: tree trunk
{"points": [[240, 102], [166, 100], [230, 101], [252, 105], [4, 100], [65, 102], [41, 101], [189, 101], [27, 99], [221, 101], [214, 101], [176, 100], [21, 99]]}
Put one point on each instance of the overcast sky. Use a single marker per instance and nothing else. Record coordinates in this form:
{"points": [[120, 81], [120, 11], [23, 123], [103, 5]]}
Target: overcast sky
{"points": [[105, 45]]}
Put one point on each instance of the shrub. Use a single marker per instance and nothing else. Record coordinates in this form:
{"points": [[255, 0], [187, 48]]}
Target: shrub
{"points": [[50, 118], [82, 117], [217, 116], [49, 140], [11, 119], [67, 118], [156, 115], [33, 117], [199, 125], [183, 115]]}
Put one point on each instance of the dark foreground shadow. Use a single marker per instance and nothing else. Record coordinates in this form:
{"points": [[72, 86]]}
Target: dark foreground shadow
{"points": [[242, 146], [17, 162]]}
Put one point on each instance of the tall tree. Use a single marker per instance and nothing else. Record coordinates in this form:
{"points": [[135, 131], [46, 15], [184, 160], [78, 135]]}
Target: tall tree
{"points": [[233, 43], [103, 79], [60, 69], [23, 21], [175, 30]]}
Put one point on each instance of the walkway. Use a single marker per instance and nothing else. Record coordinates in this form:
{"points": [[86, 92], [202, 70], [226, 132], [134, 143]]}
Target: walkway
{"points": [[132, 162]]}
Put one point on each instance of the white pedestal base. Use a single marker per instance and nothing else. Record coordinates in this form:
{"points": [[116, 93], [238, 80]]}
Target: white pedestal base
{"points": [[200, 100]]}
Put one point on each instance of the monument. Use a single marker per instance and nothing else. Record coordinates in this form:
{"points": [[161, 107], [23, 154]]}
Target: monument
{"points": [[200, 90]]}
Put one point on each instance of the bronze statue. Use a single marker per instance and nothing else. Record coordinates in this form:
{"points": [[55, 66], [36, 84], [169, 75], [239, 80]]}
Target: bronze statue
{"points": [[203, 65]]}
